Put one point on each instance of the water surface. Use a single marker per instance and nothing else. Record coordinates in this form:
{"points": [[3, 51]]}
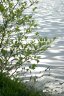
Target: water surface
{"points": [[50, 17]]}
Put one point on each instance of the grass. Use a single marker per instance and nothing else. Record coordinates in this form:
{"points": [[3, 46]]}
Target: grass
{"points": [[10, 87]]}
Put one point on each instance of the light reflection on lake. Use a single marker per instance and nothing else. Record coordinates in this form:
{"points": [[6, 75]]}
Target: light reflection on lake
{"points": [[50, 17]]}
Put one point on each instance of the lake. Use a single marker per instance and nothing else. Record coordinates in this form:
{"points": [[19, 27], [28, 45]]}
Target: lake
{"points": [[50, 70], [50, 16]]}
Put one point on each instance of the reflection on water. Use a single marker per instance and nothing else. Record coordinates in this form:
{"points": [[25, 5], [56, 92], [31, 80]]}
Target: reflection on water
{"points": [[50, 16]]}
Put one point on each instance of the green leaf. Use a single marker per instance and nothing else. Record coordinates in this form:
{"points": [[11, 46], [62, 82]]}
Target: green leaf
{"points": [[36, 33], [11, 5], [28, 30], [0, 61], [17, 28], [32, 66], [4, 52], [2, 8], [37, 60], [21, 21], [34, 8]]}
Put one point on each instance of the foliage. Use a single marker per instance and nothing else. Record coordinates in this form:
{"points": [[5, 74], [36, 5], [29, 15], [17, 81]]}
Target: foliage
{"points": [[16, 46], [10, 87]]}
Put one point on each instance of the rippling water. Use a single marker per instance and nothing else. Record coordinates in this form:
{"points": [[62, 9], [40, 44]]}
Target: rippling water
{"points": [[50, 17]]}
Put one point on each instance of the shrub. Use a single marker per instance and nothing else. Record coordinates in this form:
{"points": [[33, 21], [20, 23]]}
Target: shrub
{"points": [[10, 87]]}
